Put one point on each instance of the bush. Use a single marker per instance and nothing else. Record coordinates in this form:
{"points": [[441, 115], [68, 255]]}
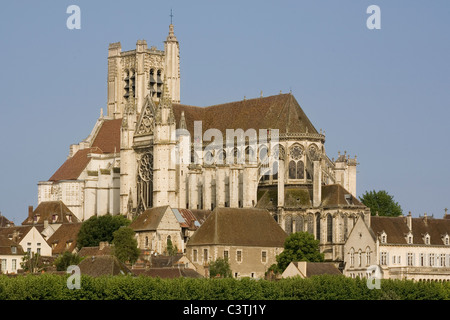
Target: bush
{"points": [[326, 287]]}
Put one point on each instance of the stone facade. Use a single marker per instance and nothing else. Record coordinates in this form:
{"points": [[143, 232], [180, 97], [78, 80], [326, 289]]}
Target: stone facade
{"points": [[149, 150], [249, 239], [401, 247]]}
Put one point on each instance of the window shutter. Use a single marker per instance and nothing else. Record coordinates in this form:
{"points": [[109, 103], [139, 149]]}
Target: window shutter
{"points": [[414, 259], [387, 258]]}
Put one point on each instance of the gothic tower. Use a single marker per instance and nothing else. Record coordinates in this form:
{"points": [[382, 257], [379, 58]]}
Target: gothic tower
{"points": [[164, 144], [134, 74]]}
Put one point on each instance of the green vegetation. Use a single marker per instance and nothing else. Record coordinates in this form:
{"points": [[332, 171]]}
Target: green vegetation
{"points": [[220, 268], [326, 287], [98, 229], [299, 246], [65, 260], [381, 202], [125, 245]]}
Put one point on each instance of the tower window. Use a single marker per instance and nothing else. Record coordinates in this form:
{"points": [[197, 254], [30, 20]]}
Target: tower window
{"points": [[152, 83]]}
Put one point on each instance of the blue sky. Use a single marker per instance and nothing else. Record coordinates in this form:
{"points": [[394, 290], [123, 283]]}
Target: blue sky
{"points": [[383, 95]]}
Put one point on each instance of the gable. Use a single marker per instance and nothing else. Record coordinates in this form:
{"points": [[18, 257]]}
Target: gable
{"points": [[145, 123]]}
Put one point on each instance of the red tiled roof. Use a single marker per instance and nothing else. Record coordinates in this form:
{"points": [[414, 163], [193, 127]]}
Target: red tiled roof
{"points": [[240, 227], [64, 238], [73, 167], [108, 137], [107, 140], [45, 211], [280, 112]]}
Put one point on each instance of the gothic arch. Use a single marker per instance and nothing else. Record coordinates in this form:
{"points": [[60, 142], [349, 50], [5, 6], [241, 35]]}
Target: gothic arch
{"points": [[145, 182]]}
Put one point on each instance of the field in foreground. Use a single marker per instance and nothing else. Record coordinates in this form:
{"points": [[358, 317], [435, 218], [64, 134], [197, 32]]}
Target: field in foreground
{"points": [[54, 287]]}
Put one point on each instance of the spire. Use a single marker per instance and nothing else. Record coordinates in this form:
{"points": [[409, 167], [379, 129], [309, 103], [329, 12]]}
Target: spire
{"points": [[182, 121], [171, 36]]}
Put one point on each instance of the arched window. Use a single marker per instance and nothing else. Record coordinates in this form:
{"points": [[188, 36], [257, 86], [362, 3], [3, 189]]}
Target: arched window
{"points": [[311, 224], [146, 242], [250, 155], [298, 223], [292, 169], [352, 257], [159, 84], [318, 226], [288, 224], [329, 228], [296, 165], [300, 170], [152, 82], [367, 256]]}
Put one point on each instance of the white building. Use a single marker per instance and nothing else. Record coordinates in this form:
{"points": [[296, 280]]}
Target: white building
{"points": [[402, 247]]}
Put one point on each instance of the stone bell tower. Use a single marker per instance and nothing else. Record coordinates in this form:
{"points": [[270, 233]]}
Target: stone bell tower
{"points": [[134, 74]]}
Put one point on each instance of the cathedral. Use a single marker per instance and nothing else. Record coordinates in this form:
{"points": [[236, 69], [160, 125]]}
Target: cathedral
{"points": [[150, 150]]}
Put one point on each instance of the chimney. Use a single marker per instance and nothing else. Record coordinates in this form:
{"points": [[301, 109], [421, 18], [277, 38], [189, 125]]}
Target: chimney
{"points": [[30, 211], [45, 223], [445, 214], [409, 221], [102, 245]]}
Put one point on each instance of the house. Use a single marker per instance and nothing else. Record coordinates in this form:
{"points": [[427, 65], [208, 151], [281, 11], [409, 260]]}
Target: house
{"points": [[11, 255], [249, 238], [103, 249], [29, 237], [50, 212], [306, 269], [400, 248], [106, 265], [64, 238], [156, 226]]}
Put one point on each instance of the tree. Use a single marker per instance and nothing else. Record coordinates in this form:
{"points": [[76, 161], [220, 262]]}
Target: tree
{"points": [[171, 249], [97, 229], [220, 268], [381, 202], [65, 260], [299, 246], [32, 262], [125, 245]]}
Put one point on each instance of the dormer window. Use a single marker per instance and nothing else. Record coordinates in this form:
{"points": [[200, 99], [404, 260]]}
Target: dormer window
{"points": [[69, 217], [426, 239], [54, 218], [13, 250], [446, 239], [409, 238], [383, 237]]}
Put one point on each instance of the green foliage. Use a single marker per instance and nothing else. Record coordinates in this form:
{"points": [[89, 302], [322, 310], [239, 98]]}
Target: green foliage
{"points": [[381, 202], [325, 287], [171, 249], [32, 263], [220, 268], [65, 260], [125, 245], [299, 246], [97, 229]]}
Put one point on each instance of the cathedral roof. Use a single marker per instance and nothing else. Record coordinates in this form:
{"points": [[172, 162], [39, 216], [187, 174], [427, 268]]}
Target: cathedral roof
{"points": [[106, 140], [280, 112], [239, 227]]}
